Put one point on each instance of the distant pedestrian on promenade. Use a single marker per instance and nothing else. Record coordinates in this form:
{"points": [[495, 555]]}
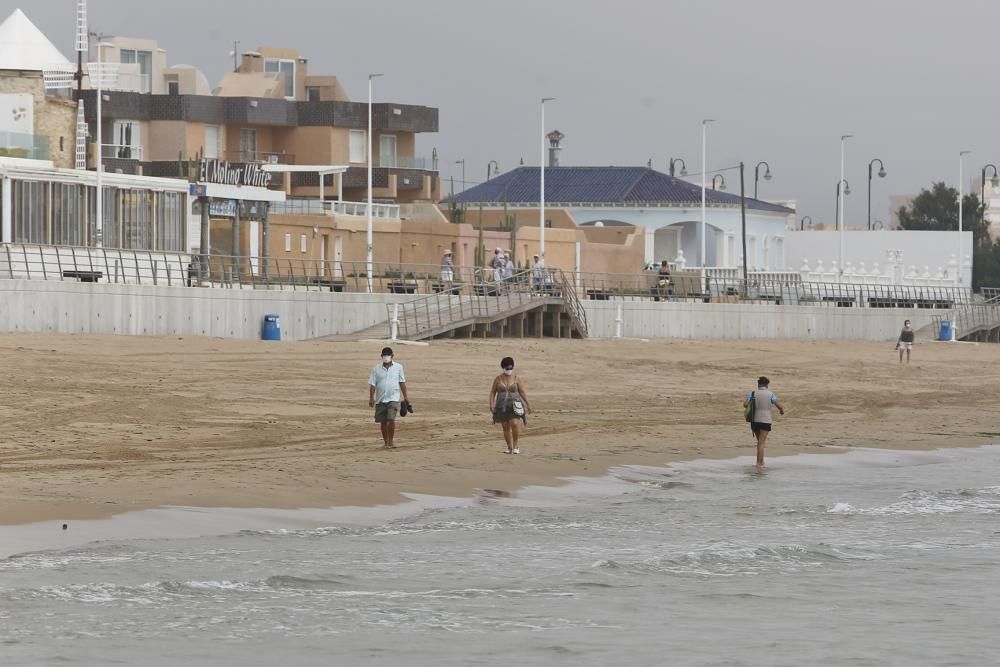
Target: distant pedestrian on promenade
{"points": [[386, 388], [538, 273], [447, 270], [509, 404], [508, 265], [905, 341], [498, 264], [760, 422], [663, 288]]}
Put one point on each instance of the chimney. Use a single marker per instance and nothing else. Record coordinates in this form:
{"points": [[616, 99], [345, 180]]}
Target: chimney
{"points": [[554, 137]]}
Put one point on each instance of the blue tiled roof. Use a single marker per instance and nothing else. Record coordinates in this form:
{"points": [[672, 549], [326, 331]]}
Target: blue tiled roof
{"points": [[602, 185]]}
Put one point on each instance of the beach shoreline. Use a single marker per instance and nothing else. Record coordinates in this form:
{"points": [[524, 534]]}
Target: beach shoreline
{"points": [[101, 426]]}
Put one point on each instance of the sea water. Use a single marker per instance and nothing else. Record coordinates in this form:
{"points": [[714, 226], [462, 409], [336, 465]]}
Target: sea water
{"points": [[863, 558]]}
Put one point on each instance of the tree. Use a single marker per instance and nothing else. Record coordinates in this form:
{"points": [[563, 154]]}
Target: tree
{"points": [[937, 210]]}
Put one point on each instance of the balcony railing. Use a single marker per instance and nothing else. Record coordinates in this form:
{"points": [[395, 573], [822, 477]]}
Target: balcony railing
{"points": [[134, 83], [30, 146], [421, 163], [121, 152], [317, 207], [265, 157]]}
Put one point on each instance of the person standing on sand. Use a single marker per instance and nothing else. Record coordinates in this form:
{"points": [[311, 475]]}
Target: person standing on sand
{"points": [[386, 388], [509, 403], [763, 399], [905, 341]]}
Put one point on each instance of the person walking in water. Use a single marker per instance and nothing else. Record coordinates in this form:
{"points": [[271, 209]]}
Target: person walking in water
{"points": [[761, 421], [905, 341], [386, 388], [509, 403]]}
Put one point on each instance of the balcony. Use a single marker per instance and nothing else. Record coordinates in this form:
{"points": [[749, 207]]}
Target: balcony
{"points": [[121, 152], [416, 163], [29, 146], [260, 157], [317, 207], [133, 83]]}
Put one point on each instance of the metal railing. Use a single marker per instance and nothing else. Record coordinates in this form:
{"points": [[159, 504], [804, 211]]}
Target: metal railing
{"points": [[447, 308], [94, 265], [419, 163], [121, 152], [317, 207]]}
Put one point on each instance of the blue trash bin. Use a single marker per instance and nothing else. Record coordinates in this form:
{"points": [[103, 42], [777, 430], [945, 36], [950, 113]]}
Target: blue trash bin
{"points": [[945, 330], [272, 328]]}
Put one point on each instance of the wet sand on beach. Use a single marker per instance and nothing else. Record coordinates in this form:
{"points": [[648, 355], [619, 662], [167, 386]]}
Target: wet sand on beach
{"points": [[99, 425]]}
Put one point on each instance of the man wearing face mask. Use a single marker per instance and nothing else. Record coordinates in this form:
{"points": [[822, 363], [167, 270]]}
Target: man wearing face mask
{"points": [[386, 388]]}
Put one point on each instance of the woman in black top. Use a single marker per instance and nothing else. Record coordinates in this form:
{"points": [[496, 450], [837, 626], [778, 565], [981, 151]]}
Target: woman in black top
{"points": [[905, 341], [663, 289]]}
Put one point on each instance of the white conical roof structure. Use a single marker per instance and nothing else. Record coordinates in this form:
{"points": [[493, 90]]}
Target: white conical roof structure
{"points": [[24, 47]]}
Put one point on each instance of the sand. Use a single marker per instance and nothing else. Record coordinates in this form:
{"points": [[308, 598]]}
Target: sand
{"points": [[100, 425]]}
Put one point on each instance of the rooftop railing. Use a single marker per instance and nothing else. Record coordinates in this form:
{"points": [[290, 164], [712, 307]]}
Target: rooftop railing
{"points": [[317, 207]]}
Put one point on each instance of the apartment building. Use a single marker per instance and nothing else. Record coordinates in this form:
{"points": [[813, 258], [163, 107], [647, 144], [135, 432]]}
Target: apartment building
{"points": [[161, 121]]}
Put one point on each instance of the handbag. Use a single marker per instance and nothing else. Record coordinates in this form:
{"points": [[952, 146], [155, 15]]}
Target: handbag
{"points": [[517, 407], [748, 411]]}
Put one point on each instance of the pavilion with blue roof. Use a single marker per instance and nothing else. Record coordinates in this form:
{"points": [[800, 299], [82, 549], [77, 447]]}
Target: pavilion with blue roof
{"points": [[668, 208]]}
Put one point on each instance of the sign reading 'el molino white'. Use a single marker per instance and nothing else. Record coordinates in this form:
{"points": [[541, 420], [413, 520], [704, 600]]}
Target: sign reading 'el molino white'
{"points": [[224, 173]]}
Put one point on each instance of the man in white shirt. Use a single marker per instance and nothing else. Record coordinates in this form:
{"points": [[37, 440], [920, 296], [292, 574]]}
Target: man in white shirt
{"points": [[386, 388]]}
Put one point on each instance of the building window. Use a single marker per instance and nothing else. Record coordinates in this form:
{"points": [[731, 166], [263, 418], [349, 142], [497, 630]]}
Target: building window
{"points": [[387, 151], [170, 222], [286, 67], [248, 144], [358, 146], [136, 219], [303, 243], [125, 140], [29, 209], [288, 242], [144, 59], [69, 213], [212, 141], [312, 94]]}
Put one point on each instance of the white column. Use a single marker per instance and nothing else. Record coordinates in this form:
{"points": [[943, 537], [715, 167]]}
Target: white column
{"points": [[99, 223], [369, 254], [7, 210]]}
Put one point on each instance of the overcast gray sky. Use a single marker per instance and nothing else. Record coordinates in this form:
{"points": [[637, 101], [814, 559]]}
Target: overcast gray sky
{"points": [[914, 80]]}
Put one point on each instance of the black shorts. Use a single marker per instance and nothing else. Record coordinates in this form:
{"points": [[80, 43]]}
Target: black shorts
{"points": [[758, 426]]}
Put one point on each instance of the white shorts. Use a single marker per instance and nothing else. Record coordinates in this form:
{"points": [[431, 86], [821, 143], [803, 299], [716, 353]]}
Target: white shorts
{"points": [[906, 346], [447, 276]]}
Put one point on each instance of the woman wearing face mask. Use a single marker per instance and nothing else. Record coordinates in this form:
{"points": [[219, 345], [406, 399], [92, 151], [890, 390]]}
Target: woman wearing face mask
{"points": [[509, 403], [905, 341]]}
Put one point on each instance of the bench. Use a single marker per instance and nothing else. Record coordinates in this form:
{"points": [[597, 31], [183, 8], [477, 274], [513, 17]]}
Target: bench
{"points": [[598, 294], [841, 301], [402, 288], [335, 284], [84, 276]]}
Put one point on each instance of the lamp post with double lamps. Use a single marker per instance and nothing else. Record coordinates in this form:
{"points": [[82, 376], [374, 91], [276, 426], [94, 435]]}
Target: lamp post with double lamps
{"points": [[995, 182], [496, 169], [840, 196], [673, 163], [704, 170], [756, 175], [881, 174], [961, 192], [802, 222], [541, 189], [370, 235]]}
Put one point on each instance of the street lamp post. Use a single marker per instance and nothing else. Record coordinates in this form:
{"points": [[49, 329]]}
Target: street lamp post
{"points": [[674, 161], [541, 190], [840, 197], [743, 225], [370, 235], [846, 191], [462, 162], [496, 169], [721, 180], [881, 174], [961, 191], [995, 181], [802, 222], [704, 170], [756, 175]]}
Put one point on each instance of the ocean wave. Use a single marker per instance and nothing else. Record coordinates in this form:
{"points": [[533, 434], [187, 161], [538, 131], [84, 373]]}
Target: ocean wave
{"points": [[971, 501]]}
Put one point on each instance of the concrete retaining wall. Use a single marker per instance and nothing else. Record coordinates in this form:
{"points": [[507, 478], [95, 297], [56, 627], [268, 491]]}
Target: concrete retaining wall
{"points": [[649, 319], [68, 307]]}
